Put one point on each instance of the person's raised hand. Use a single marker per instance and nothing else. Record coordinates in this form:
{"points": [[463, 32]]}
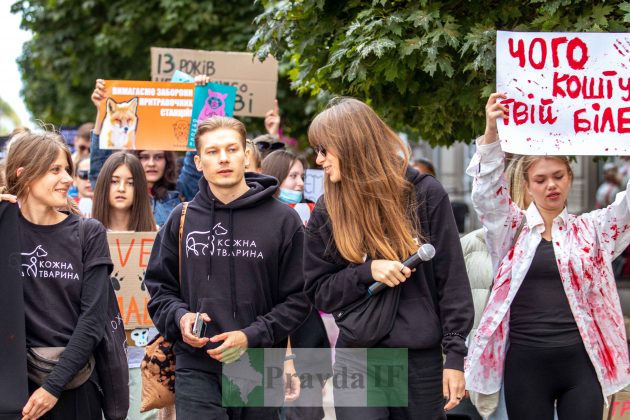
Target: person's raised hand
{"points": [[272, 119], [494, 110], [186, 324], [391, 273], [99, 93], [201, 79]]}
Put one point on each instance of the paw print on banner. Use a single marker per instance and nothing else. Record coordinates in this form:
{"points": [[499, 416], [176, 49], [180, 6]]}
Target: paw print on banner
{"points": [[141, 278], [181, 128], [116, 281], [623, 48]]}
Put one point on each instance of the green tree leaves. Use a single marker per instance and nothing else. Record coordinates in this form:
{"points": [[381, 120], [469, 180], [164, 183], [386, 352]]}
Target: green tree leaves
{"points": [[427, 66]]}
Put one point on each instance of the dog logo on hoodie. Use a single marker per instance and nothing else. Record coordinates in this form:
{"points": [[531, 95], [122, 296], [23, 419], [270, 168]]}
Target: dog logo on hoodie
{"points": [[198, 242]]}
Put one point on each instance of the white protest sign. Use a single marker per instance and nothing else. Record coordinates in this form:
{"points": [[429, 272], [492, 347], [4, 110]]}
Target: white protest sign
{"points": [[256, 82], [567, 93], [313, 184]]}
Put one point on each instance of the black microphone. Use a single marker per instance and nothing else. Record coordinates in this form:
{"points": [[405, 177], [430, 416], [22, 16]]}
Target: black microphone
{"points": [[424, 253]]}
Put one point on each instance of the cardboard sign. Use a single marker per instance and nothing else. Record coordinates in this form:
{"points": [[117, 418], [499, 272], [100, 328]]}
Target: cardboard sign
{"points": [[210, 100], [620, 406], [256, 82], [567, 93], [313, 184], [146, 115], [130, 253]]}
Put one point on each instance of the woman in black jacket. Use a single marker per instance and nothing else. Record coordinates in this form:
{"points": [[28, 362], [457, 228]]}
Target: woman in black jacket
{"points": [[64, 276], [375, 212]]}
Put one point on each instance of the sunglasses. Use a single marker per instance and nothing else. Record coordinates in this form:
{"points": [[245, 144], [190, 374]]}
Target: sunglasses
{"points": [[265, 145], [83, 148], [83, 174], [319, 150]]}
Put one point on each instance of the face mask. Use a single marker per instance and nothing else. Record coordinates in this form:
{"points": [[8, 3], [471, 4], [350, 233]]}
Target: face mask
{"points": [[290, 196]]}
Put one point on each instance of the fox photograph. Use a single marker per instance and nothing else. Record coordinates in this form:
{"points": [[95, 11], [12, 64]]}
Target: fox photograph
{"points": [[120, 124]]}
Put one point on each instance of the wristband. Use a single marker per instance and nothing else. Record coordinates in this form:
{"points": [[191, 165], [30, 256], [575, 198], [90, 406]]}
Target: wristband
{"points": [[289, 357]]}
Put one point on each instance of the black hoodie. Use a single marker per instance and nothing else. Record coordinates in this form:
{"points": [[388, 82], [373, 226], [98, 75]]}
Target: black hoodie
{"points": [[333, 283], [241, 263]]}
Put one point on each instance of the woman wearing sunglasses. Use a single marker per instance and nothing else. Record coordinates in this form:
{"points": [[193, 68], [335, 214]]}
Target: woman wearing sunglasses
{"points": [[84, 188], [374, 212]]}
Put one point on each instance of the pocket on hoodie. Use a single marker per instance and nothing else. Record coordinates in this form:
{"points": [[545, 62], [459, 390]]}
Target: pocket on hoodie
{"points": [[417, 325], [222, 318]]}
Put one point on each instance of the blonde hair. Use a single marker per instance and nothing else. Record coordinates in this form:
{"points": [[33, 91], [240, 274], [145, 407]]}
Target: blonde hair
{"points": [[218, 123], [34, 152], [516, 181], [372, 209]]}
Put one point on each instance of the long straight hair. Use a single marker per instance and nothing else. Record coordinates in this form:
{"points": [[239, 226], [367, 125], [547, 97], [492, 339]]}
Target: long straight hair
{"points": [[372, 208], [34, 152], [141, 217]]}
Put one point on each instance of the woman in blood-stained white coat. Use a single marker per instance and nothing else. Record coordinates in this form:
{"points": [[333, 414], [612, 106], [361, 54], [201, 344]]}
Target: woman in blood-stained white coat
{"points": [[552, 330]]}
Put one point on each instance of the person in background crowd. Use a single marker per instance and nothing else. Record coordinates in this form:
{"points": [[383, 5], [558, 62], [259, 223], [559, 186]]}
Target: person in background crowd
{"points": [[247, 287], [481, 276], [121, 204], [159, 166], [73, 313], [267, 144], [82, 142], [372, 217], [254, 157], [84, 188], [607, 192], [424, 166], [552, 331], [289, 170]]}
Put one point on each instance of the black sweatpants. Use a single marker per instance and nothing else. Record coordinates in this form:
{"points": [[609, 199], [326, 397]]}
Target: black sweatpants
{"points": [[536, 378]]}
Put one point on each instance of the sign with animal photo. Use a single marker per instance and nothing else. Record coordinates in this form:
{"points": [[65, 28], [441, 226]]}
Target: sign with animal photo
{"points": [[567, 93], [210, 100], [256, 81], [146, 115], [130, 253]]}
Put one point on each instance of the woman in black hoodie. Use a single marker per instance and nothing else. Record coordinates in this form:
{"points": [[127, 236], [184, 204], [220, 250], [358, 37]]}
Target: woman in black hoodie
{"points": [[375, 212]]}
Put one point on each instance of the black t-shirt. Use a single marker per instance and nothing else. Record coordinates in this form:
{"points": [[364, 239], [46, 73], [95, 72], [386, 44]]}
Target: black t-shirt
{"points": [[540, 315], [53, 270]]}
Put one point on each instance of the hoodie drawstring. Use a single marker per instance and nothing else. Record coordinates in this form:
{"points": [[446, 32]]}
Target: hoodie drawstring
{"points": [[231, 257], [212, 214]]}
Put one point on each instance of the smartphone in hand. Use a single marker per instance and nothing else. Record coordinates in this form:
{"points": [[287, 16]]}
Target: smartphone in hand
{"points": [[199, 327]]}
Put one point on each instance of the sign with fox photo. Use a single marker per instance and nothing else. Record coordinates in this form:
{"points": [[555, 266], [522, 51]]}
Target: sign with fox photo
{"points": [[256, 81], [130, 253], [141, 115]]}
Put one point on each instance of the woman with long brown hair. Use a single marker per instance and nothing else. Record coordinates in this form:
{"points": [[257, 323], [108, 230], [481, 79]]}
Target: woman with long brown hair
{"points": [[375, 212], [64, 274], [121, 201]]}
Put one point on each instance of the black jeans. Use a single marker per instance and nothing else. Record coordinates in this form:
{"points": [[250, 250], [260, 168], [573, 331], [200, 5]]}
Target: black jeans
{"points": [[198, 397], [538, 378], [425, 399]]}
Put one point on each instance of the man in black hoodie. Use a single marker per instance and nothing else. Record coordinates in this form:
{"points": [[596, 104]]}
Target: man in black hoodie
{"points": [[241, 267]]}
